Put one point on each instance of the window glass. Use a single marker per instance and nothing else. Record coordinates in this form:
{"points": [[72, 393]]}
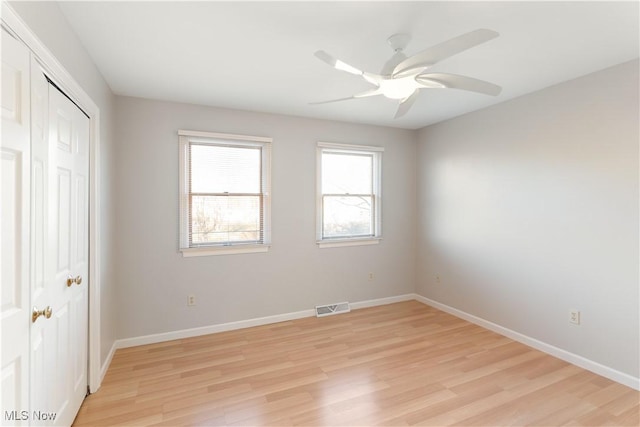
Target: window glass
{"points": [[224, 199], [347, 173], [219, 169], [348, 192]]}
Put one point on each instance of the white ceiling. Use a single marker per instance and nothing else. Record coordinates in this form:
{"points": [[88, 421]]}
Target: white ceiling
{"points": [[258, 56]]}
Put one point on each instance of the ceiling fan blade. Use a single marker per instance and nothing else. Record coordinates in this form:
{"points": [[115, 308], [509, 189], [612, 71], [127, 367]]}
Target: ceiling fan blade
{"points": [[368, 93], [332, 100], [336, 63], [406, 104], [437, 53], [343, 66], [444, 80]]}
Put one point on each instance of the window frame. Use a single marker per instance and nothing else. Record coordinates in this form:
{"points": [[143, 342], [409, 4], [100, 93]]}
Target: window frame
{"points": [[188, 137], [356, 240]]}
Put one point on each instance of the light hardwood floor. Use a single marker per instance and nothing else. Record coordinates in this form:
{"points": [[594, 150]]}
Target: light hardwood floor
{"points": [[399, 364]]}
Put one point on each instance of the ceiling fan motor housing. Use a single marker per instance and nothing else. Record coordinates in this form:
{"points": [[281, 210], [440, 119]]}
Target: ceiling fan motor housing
{"points": [[399, 41]]}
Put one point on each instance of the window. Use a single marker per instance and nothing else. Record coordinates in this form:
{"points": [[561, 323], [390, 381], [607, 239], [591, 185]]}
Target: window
{"points": [[349, 199], [224, 193]]}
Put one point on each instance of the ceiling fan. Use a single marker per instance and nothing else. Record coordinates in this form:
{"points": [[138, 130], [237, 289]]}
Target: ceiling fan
{"points": [[402, 78]]}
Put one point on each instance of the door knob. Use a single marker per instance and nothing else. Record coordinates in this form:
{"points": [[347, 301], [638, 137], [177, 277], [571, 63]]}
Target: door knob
{"points": [[37, 313], [71, 280]]}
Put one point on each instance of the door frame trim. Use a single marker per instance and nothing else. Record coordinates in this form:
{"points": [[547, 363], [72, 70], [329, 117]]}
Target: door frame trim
{"points": [[56, 72]]}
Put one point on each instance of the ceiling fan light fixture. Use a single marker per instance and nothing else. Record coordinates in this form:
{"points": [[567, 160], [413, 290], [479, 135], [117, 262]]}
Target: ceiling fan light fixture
{"points": [[398, 88]]}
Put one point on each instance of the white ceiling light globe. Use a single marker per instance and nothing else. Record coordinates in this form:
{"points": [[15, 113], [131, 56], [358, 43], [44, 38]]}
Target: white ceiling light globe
{"points": [[398, 88]]}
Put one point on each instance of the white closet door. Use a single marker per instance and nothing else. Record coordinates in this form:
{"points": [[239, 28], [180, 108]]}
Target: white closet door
{"points": [[44, 252], [59, 343], [14, 232]]}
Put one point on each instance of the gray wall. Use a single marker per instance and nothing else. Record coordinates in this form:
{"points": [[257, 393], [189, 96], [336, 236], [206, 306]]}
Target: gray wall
{"points": [[295, 274], [529, 209], [50, 26]]}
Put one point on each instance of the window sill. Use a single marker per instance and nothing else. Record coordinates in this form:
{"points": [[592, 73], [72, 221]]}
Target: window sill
{"points": [[337, 243], [223, 250]]}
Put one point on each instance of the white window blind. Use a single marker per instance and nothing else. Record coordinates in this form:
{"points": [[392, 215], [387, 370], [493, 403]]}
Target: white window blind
{"points": [[349, 196], [225, 191]]}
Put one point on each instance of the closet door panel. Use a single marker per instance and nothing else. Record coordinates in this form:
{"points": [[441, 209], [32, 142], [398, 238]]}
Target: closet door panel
{"points": [[14, 230], [66, 267]]}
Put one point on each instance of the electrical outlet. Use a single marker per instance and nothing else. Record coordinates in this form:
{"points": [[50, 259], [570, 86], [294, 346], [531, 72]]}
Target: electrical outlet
{"points": [[371, 276], [574, 317], [191, 300]]}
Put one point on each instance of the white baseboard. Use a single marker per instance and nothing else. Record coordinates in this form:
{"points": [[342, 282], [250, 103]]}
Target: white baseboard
{"points": [[572, 358], [106, 364], [567, 356], [212, 329], [224, 327], [382, 301]]}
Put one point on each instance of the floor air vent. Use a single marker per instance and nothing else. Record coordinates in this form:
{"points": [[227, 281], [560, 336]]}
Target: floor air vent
{"points": [[330, 309]]}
